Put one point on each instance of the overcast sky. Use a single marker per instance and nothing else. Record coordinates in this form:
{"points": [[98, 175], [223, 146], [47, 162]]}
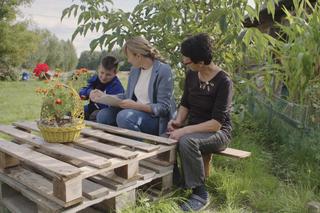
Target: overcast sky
{"points": [[47, 13]]}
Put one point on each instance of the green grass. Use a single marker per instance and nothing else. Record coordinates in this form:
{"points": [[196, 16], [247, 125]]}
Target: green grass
{"points": [[19, 101], [282, 174]]}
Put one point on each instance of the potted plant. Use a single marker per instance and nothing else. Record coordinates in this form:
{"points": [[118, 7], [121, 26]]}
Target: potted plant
{"points": [[61, 118]]}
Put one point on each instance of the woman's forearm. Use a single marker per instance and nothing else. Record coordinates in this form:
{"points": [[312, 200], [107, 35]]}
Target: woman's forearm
{"points": [[182, 114], [143, 107], [207, 126]]}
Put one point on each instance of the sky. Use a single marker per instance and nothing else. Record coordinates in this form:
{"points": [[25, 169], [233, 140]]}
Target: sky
{"points": [[47, 13]]}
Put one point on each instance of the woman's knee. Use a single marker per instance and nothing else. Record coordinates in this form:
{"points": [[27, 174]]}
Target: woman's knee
{"points": [[187, 144], [124, 118]]}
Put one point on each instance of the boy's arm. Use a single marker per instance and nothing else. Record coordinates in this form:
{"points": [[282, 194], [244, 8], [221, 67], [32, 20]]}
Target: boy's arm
{"points": [[85, 91]]}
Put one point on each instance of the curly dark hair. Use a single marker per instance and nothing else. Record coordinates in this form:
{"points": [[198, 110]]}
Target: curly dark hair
{"points": [[110, 63], [198, 48]]}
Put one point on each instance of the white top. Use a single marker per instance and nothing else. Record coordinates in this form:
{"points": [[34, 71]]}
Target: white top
{"points": [[141, 89]]}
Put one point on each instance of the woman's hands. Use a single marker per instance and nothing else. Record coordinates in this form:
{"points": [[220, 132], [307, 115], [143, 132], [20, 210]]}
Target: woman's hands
{"points": [[173, 124], [174, 130]]}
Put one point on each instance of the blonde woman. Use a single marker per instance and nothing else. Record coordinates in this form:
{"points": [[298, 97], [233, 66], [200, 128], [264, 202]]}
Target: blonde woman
{"points": [[148, 103]]}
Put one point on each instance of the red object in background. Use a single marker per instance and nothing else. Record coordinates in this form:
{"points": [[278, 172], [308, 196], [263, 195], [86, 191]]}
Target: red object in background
{"points": [[40, 68]]}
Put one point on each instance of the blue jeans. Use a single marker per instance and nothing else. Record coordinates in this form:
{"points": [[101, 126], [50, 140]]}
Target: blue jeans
{"points": [[129, 119]]}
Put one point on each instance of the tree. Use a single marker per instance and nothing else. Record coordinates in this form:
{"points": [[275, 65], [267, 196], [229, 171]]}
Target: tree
{"points": [[166, 23], [89, 60], [8, 9], [70, 59], [41, 53], [55, 54], [17, 42]]}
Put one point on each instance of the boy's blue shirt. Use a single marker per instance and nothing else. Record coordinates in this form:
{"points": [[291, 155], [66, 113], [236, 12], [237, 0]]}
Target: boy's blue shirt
{"points": [[112, 88]]}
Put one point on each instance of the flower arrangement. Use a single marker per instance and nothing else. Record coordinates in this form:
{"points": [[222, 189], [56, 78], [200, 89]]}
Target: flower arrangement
{"points": [[41, 70], [61, 118], [80, 78]]}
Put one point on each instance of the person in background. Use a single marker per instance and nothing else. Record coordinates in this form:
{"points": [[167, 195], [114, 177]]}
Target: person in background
{"points": [[203, 124], [106, 81], [148, 102]]}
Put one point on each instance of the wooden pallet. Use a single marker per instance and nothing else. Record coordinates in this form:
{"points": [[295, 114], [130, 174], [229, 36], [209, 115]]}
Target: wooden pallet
{"points": [[66, 174], [18, 196]]}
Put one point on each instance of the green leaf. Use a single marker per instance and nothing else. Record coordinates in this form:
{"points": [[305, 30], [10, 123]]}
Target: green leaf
{"points": [[98, 26], [223, 23], [271, 7], [75, 33], [93, 44], [64, 13]]}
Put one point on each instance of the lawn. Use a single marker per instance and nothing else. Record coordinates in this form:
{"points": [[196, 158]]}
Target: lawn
{"points": [[282, 174], [19, 101]]}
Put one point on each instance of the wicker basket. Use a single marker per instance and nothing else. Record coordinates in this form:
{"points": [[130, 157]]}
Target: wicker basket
{"points": [[60, 134], [61, 122]]}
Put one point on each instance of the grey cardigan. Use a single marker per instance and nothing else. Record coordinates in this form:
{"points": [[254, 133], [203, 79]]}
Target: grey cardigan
{"points": [[160, 92]]}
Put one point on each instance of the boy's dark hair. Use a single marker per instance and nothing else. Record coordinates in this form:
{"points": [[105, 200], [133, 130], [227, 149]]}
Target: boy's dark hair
{"points": [[110, 63], [198, 48]]}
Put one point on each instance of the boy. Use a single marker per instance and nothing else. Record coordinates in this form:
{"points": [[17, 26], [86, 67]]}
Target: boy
{"points": [[106, 81]]}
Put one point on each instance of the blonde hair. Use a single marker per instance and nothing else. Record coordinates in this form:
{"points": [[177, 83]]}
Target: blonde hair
{"points": [[140, 45]]}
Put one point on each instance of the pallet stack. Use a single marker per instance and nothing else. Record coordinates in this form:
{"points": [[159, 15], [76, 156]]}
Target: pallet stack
{"points": [[103, 168]]}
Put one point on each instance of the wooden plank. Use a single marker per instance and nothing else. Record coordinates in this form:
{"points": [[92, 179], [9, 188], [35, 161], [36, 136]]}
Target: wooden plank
{"points": [[69, 191], [19, 204], [38, 184], [27, 125], [42, 202], [128, 171], [169, 156], [92, 190], [14, 201], [155, 167], [120, 202], [120, 140], [157, 161], [113, 182], [46, 163], [60, 149], [146, 173], [230, 152], [101, 135], [105, 148], [88, 171], [7, 161], [131, 133], [86, 203]]}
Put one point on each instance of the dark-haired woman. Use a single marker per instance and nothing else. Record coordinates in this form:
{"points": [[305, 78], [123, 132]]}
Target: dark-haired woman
{"points": [[106, 81], [205, 109]]}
